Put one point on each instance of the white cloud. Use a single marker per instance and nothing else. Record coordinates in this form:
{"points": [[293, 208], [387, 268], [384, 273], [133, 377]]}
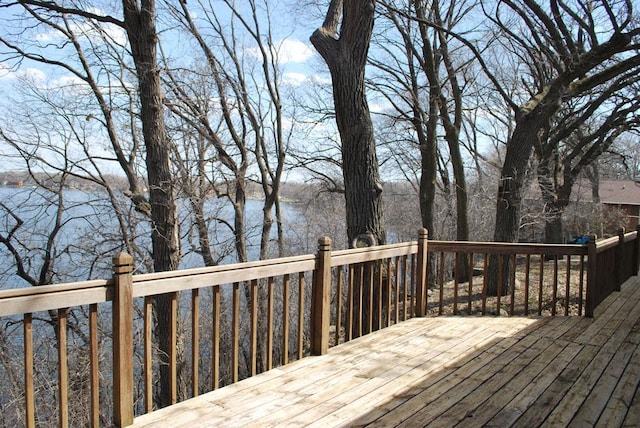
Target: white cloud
{"points": [[33, 75], [294, 79], [6, 73], [288, 51], [292, 50]]}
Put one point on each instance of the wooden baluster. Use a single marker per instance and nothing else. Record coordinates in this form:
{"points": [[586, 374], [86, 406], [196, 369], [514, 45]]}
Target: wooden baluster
{"points": [[215, 345], [390, 274], [405, 284], [360, 315], [350, 297], [554, 298], [63, 370], [94, 366], [195, 339], [29, 399], [500, 281], [270, 323], [567, 286], [512, 281], [455, 283], [371, 272], [254, 327], [301, 294], [286, 281], [441, 283], [581, 286], [527, 283], [470, 288], [540, 283], [485, 271], [636, 252], [148, 353], [235, 332], [173, 349], [339, 286], [396, 316]]}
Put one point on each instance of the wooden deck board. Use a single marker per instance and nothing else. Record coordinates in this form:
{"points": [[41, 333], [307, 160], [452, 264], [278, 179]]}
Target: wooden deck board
{"points": [[469, 371]]}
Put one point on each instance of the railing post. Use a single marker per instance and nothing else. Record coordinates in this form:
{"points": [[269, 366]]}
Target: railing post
{"points": [[620, 269], [636, 252], [421, 283], [592, 279], [321, 299], [122, 313]]}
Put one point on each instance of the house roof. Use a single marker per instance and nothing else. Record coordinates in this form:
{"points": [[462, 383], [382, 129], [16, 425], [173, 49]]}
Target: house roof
{"points": [[612, 192], [622, 192]]}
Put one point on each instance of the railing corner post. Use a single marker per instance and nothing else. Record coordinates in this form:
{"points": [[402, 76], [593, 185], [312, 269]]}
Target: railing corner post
{"points": [[421, 283], [321, 299], [619, 259], [592, 279], [122, 313], [636, 252]]}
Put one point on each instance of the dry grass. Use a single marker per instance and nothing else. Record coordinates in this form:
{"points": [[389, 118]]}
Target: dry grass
{"points": [[528, 288]]}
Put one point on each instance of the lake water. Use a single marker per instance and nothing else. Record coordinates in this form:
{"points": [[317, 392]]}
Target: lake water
{"points": [[89, 234]]}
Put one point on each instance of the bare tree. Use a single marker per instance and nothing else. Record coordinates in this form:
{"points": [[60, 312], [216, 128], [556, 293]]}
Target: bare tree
{"points": [[138, 23], [345, 51], [574, 144]]}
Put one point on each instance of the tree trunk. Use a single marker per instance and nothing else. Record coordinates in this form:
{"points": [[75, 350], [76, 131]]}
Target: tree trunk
{"points": [[141, 31], [510, 187], [346, 57]]}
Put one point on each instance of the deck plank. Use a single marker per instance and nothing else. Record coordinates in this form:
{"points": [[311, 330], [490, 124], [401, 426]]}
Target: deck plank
{"points": [[469, 371]]}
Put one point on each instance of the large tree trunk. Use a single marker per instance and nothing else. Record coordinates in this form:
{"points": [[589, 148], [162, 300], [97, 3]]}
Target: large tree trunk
{"points": [[346, 57], [140, 24], [510, 188]]}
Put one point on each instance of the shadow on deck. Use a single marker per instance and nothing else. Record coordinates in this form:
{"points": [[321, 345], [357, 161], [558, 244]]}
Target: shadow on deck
{"points": [[448, 371]]}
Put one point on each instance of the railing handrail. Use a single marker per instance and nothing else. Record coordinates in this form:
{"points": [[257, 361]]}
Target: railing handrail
{"points": [[19, 301], [507, 247], [189, 279], [48, 297]]}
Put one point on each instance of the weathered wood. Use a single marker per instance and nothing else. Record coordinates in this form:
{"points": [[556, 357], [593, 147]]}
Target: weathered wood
{"points": [[592, 282], [148, 353], [235, 332], [173, 348], [94, 358], [195, 340], [29, 399], [321, 299], [30, 300], [301, 294], [422, 272], [286, 283], [63, 370], [269, 323], [253, 341], [215, 336], [339, 303], [485, 371], [122, 313]]}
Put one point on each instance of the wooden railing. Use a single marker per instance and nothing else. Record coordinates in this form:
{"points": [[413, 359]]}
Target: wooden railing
{"points": [[262, 314]]}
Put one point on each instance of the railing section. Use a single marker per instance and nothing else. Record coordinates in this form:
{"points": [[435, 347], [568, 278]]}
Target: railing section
{"points": [[527, 279], [614, 261], [86, 354]]}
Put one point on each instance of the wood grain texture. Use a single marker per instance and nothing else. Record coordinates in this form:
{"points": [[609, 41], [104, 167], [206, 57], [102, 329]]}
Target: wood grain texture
{"points": [[448, 371]]}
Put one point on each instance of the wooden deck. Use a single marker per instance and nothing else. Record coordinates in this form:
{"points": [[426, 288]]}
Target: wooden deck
{"points": [[471, 371]]}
